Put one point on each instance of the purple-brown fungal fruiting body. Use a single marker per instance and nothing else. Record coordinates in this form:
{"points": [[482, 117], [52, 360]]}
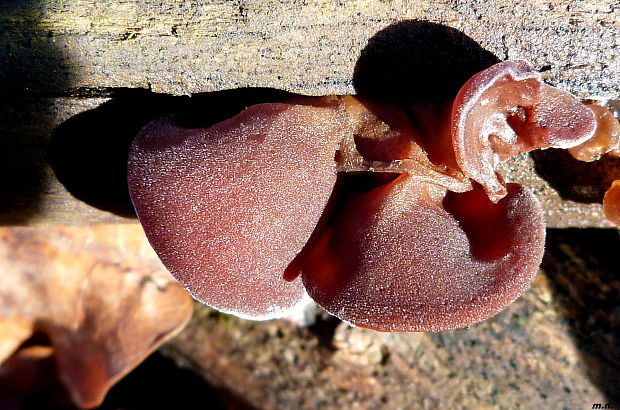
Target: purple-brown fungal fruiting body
{"points": [[240, 212], [229, 207]]}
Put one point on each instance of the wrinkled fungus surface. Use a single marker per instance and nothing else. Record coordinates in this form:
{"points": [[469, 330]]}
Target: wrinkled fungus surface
{"points": [[507, 110], [440, 243]]}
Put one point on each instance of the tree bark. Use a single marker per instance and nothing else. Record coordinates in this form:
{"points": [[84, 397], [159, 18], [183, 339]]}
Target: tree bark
{"points": [[62, 58]]}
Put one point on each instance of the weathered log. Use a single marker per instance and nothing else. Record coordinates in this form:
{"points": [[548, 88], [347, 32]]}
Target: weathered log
{"points": [[58, 59]]}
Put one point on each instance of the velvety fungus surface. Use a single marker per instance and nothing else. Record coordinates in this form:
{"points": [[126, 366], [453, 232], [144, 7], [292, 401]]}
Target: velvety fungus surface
{"points": [[507, 110], [228, 208], [404, 257], [441, 244]]}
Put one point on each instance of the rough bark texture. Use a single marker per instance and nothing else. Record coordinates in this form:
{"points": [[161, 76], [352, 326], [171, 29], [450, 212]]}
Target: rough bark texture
{"points": [[184, 47], [60, 58]]}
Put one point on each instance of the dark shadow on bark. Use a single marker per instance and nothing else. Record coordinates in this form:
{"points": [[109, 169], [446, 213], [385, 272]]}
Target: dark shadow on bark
{"points": [[324, 329], [411, 60], [416, 60], [582, 265], [575, 180], [88, 152], [31, 68]]}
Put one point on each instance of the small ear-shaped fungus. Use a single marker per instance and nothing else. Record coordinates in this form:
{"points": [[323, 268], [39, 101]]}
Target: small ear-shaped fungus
{"points": [[406, 256], [611, 203], [606, 140], [228, 208], [507, 110], [231, 208]]}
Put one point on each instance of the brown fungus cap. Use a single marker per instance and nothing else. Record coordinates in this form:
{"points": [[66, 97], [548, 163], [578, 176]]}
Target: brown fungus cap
{"points": [[606, 138], [441, 244], [228, 208], [409, 256], [507, 110], [611, 203]]}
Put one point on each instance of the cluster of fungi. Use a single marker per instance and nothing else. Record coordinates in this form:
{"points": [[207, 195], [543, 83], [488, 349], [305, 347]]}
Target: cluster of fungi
{"points": [[258, 212]]}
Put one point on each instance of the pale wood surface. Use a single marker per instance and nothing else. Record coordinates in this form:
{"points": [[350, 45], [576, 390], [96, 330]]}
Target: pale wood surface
{"points": [[183, 47], [59, 58]]}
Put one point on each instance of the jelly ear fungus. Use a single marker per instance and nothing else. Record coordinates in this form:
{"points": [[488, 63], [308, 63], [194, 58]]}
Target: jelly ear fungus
{"points": [[507, 110], [411, 256], [443, 245], [228, 207]]}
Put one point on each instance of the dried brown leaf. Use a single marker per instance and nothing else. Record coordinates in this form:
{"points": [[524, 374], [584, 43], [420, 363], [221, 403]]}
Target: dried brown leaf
{"points": [[99, 295]]}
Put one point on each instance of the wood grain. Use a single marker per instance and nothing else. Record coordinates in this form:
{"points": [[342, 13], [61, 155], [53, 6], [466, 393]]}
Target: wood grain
{"points": [[60, 58]]}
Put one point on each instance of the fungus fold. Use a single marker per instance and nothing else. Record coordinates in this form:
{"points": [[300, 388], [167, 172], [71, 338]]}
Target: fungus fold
{"points": [[507, 110], [439, 242]]}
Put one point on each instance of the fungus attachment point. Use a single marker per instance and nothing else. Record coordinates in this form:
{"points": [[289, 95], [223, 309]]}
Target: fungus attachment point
{"points": [[441, 243], [386, 139], [507, 110], [227, 208], [406, 256]]}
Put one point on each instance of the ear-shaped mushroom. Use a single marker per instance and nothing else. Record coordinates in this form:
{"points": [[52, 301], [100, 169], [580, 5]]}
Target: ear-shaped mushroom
{"points": [[507, 110], [229, 207], [611, 203], [406, 256], [606, 138]]}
